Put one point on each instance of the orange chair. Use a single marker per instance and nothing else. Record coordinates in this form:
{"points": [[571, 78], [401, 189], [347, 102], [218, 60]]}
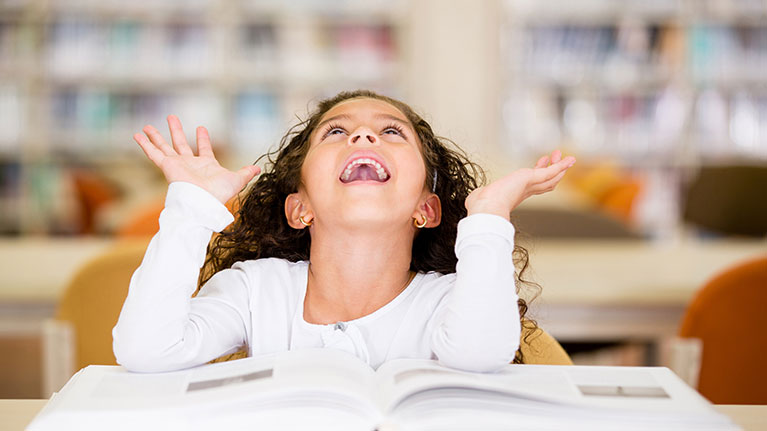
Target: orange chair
{"points": [[728, 316]]}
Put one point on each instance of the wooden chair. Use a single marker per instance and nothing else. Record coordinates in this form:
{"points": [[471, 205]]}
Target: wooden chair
{"points": [[542, 349], [727, 316], [80, 333]]}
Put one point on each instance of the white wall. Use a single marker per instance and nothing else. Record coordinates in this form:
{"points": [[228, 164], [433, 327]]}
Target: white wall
{"points": [[452, 62]]}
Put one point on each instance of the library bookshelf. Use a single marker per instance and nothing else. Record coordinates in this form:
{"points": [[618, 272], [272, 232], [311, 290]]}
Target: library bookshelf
{"points": [[658, 88], [78, 78]]}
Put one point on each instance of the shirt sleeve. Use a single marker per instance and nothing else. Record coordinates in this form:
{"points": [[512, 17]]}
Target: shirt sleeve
{"points": [[477, 324], [161, 327]]}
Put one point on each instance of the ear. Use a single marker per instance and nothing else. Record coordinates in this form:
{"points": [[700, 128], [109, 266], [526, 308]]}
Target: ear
{"points": [[295, 209], [431, 208]]}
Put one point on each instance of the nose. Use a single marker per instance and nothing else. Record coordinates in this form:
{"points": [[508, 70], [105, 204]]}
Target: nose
{"points": [[362, 134]]}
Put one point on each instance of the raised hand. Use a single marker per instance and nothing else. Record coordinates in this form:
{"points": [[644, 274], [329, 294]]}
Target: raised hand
{"points": [[178, 163], [503, 195]]}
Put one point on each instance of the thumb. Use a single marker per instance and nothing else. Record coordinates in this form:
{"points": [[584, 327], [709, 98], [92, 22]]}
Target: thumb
{"points": [[248, 172]]}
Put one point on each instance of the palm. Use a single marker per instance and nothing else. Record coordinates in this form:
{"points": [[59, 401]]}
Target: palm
{"points": [[204, 172], [178, 163], [502, 196]]}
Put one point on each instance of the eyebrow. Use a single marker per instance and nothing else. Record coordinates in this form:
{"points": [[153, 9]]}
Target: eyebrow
{"points": [[333, 118], [392, 117]]}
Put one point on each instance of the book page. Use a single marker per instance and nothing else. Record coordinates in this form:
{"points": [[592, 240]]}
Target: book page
{"points": [[423, 394], [321, 381], [656, 388], [325, 368], [400, 379]]}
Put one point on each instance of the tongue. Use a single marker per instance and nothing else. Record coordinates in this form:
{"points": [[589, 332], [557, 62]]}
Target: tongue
{"points": [[363, 173]]}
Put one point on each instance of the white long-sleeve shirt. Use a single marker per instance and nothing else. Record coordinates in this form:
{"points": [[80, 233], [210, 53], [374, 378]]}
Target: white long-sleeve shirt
{"points": [[468, 320]]}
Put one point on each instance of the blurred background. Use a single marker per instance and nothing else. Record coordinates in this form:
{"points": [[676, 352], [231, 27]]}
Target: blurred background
{"points": [[664, 102]]}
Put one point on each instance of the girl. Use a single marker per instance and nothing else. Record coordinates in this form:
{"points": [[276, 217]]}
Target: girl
{"points": [[366, 234]]}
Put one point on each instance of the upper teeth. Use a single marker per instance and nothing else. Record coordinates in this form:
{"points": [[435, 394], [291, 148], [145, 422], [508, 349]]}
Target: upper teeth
{"points": [[379, 169]]}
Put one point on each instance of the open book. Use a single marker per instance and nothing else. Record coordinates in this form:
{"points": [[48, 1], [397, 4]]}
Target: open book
{"points": [[329, 389]]}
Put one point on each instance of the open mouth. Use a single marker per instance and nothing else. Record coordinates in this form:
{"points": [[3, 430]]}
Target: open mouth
{"points": [[364, 169]]}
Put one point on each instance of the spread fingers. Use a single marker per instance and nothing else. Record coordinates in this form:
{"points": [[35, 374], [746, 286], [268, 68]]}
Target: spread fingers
{"points": [[156, 138], [151, 151], [177, 136]]}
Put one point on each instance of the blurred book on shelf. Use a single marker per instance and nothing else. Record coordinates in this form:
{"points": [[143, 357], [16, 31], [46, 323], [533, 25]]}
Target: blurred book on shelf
{"points": [[660, 88], [78, 78], [11, 118]]}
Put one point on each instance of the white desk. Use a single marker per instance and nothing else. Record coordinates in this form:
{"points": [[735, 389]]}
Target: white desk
{"points": [[15, 415]]}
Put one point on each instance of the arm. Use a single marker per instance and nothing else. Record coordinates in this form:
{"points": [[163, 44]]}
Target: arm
{"points": [[161, 327], [478, 323]]}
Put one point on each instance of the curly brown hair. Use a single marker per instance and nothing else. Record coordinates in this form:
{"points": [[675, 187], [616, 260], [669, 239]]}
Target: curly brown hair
{"points": [[261, 230]]}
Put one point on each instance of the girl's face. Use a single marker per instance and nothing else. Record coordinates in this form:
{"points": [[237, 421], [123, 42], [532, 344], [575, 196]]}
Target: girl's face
{"points": [[364, 166]]}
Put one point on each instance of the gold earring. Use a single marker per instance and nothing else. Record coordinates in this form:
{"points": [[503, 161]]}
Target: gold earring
{"points": [[301, 218], [423, 223]]}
